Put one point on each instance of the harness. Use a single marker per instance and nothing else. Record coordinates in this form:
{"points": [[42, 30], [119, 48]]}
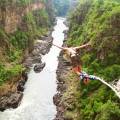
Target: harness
{"points": [[85, 77]]}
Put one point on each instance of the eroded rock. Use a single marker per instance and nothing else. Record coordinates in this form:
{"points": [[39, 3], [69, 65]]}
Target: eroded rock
{"points": [[20, 86], [39, 67], [11, 100]]}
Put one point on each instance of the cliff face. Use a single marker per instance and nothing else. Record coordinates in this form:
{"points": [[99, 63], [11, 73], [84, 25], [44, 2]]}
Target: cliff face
{"points": [[11, 15], [19, 18], [21, 22], [97, 22]]}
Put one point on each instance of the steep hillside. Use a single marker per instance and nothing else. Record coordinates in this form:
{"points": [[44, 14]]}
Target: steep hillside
{"points": [[61, 7], [97, 22], [21, 21]]}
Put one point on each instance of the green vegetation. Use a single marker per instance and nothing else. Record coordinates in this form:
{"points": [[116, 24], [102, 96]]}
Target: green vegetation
{"points": [[97, 21], [27, 2], [19, 39], [99, 24], [24, 2], [61, 7], [14, 45], [5, 3], [8, 73]]}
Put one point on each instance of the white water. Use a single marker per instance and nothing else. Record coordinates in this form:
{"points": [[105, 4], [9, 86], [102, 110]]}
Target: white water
{"points": [[37, 102]]}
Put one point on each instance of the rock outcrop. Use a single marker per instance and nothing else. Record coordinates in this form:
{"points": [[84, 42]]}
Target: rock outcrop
{"points": [[10, 100], [39, 67], [11, 15]]}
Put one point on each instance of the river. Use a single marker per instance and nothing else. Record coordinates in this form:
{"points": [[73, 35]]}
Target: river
{"points": [[37, 102]]}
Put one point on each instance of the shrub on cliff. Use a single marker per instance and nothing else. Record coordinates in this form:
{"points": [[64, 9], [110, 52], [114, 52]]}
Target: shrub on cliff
{"points": [[9, 73]]}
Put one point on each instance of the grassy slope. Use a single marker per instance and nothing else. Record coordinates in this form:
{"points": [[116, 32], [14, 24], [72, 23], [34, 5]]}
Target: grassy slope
{"points": [[96, 21]]}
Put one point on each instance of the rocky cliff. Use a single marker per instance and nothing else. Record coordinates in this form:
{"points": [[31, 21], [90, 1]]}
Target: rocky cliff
{"points": [[11, 15], [21, 23], [97, 22]]}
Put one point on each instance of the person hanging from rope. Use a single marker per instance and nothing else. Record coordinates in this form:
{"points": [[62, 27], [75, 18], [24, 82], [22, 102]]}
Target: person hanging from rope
{"points": [[72, 55]]}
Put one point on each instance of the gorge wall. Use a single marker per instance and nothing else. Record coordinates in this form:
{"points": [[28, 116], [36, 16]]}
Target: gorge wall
{"points": [[97, 22], [21, 22], [11, 15]]}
